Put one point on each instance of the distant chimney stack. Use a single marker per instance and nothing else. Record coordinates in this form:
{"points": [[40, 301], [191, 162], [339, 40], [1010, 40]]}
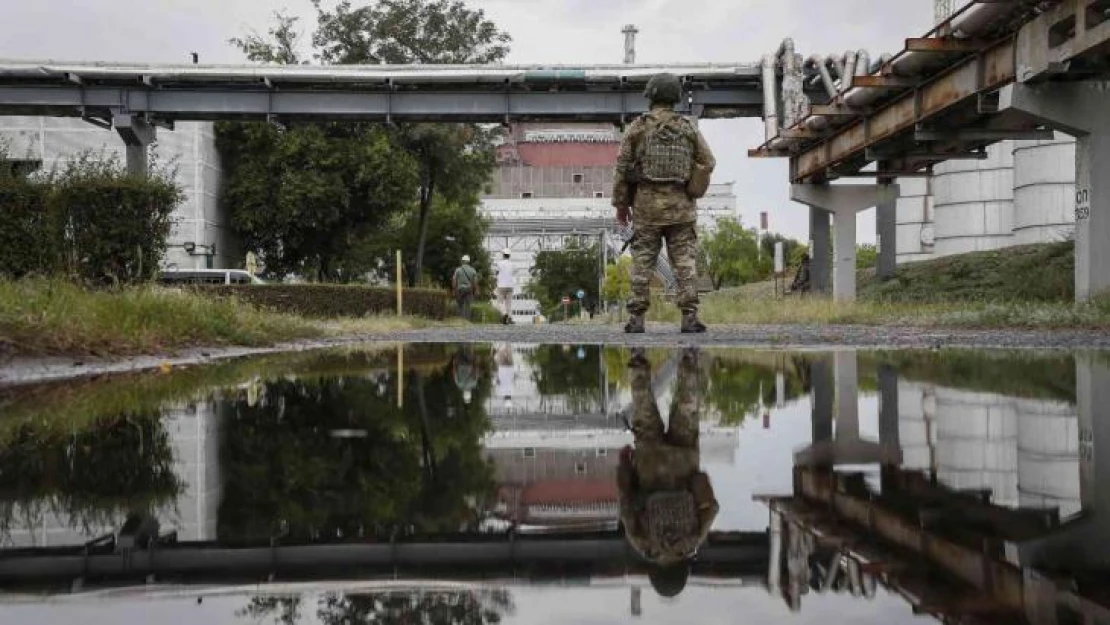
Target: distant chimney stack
{"points": [[630, 33]]}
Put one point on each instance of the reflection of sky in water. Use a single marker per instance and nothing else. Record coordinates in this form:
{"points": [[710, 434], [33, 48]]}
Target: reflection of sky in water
{"points": [[533, 606], [764, 460]]}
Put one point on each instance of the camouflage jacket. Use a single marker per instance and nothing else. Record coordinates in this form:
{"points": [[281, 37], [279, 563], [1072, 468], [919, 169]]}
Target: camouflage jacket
{"points": [[656, 204]]}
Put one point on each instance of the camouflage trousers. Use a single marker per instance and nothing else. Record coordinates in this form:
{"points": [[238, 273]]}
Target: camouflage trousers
{"points": [[682, 248], [665, 457]]}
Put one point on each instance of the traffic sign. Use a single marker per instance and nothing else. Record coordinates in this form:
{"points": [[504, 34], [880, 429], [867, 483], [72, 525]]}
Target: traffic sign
{"points": [[581, 294], [566, 300]]}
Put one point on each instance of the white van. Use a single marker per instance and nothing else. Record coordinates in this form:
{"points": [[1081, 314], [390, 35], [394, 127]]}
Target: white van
{"points": [[208, 276]]}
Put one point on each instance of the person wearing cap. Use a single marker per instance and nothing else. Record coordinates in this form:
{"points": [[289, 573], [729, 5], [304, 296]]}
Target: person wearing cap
{"points": [[506, 283], [667, 504], [464, 284]]}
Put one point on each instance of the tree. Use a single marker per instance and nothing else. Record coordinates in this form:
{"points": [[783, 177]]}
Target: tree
{"points": [[451, 162], [455, 160], [618, 280], [564, 273], [303, 198], [867, 256], [730, 254]]}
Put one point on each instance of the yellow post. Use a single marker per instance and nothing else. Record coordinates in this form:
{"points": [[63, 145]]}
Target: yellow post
{"points": [[399, 272]]}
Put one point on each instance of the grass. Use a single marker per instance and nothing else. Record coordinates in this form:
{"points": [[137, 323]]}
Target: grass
{"points": [[1021, 287], [735, 308], [47, 317]]}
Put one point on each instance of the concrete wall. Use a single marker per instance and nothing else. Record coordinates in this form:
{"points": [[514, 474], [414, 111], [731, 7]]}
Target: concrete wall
{"points": [[974, 203]]}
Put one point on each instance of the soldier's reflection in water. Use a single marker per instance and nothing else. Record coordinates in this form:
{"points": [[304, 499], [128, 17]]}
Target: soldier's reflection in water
{"points": [[666, 500]]}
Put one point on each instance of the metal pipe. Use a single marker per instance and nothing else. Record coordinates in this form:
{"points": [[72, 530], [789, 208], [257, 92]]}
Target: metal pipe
{"points": [[823, 72], [863, 63], [770, 99], [849, 71]]}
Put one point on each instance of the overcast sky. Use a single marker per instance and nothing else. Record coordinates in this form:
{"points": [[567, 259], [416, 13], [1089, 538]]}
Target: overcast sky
{"points": [[544, 31]]}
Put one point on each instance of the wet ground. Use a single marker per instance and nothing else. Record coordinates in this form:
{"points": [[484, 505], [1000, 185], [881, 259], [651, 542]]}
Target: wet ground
{"points": [[524, 483]]}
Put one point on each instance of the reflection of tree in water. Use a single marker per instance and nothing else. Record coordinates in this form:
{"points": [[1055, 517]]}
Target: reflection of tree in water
{"points": [[558, 371], [456, 607], [279, 610], [93, 477], [736, 389], [286, 474]]}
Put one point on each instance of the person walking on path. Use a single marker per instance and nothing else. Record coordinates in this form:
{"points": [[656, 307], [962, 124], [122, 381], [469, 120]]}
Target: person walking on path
{"points": [[506, 284], [464, 284], [663, 168]]}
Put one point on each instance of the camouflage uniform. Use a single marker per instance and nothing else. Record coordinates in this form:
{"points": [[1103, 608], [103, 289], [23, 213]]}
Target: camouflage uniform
{"points": [[661, 211], [665, 461]]}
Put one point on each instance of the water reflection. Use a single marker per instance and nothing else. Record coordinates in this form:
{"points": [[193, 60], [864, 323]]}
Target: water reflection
{"points": [[667, 501], [965, 482]]}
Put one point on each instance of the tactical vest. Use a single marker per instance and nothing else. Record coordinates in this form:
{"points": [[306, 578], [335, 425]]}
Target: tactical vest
{"points": [[666, 151], [672, 517]]}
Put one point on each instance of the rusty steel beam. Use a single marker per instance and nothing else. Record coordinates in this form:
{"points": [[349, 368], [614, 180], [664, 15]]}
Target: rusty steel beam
{"points": [[984, 72], [944, 46], [883, 82]]}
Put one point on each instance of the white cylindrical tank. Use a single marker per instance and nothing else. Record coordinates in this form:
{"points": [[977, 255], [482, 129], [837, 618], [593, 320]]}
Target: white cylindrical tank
{"points": [[914, 220], [1048, 455], [974, 203], [976, 444], [1044, 190]]}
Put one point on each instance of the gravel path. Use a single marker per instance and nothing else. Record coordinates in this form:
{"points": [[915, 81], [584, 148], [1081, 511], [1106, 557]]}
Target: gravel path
{"points": [[26, 370]]}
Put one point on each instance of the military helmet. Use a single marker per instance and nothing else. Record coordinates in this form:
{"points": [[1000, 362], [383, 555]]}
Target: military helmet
{"points": [[664, 88]]}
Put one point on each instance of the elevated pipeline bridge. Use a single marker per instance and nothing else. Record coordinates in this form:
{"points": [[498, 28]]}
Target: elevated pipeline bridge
{"points": [[995, 70]]}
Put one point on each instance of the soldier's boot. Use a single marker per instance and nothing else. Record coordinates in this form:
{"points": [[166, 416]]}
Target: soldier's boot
{"points": [[635, 324], [691, 325]]}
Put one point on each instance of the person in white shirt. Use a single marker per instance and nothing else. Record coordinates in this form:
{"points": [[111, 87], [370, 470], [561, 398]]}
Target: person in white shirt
{"points": [[506, 282]]}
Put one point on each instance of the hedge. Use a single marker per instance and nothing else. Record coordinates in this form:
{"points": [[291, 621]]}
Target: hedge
{"points": [[336, 300], [29, 238], [91, 220]]}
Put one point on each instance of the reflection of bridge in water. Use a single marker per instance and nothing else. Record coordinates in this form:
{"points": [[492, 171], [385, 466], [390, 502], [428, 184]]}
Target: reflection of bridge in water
{"points": [[960, 554]]}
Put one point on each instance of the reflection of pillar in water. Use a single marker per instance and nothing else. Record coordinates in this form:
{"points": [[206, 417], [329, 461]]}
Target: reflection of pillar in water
{"points": [[1048, 455], [847, 396], [1083, 543], [822, 397], [774, 569], [637, 606], [977, 443], [888, 407]]}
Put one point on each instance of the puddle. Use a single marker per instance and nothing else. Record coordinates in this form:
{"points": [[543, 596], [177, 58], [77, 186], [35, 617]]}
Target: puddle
{"points": [[482, 483]]}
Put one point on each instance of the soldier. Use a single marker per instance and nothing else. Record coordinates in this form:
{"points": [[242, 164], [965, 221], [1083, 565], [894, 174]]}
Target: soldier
{"points": [[667, 504], [663, 167]]}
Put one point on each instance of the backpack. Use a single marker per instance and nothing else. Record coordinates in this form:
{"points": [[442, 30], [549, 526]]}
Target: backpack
{"points": [[666, 151]]}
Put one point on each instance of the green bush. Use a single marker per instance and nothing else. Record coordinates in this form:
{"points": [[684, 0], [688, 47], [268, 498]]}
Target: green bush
{"points": [[29, 241], [485, 313], [91, 220], [116, 224], [335, 300]]}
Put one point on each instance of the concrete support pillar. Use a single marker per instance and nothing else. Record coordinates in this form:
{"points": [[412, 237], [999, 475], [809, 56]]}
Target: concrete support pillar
{"points": [[886, 235], [1080, 109], [844, 202], [820, 252], [137, 134]]}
